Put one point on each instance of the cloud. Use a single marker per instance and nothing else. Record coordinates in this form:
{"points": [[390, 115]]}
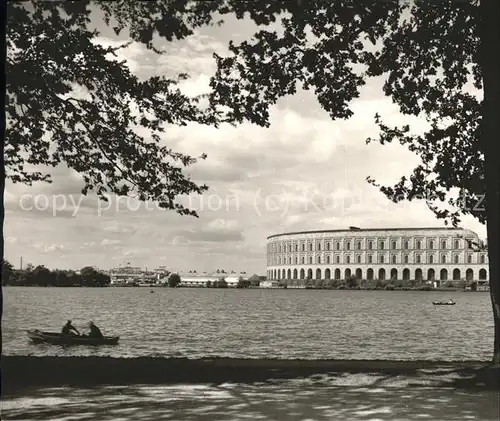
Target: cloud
{"points": [[136, 56], [48, 248], [106, 242], [11, 240], [87, 244], [114, 226], [216, 231]]}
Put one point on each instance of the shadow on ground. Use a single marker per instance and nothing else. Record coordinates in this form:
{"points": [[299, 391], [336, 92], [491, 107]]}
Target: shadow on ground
{"points": [[19, 372], [323, 397]]}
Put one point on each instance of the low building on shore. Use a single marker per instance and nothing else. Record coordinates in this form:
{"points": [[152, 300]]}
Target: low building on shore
{"points": [[209, 279], [233, 280], [126, 276], [269, 284], [201, 280]]}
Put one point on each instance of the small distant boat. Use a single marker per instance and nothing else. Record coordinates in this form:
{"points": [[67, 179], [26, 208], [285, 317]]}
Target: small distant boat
{"points": [[151, 291], [53, 338], [443, 303]]}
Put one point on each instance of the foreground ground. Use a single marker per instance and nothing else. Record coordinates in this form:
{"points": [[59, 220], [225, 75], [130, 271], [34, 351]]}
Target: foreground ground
{"points": [[84, 389], [22, 371], [325, 398]]}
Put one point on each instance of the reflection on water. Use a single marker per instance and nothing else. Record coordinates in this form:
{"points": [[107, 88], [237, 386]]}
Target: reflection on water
{"points": [[361, 397], [255, 323]]}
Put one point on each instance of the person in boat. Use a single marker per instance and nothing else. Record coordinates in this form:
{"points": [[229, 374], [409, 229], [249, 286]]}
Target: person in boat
{"points": [[69, 329], [95, 332], [450, 301]]}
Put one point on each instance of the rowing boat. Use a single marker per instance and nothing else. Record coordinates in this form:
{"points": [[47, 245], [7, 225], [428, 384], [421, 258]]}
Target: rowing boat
{"points": [[53, 338]]}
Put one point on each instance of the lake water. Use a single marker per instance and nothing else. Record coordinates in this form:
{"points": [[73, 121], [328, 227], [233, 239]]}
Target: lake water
{"points": [[311, 324]]}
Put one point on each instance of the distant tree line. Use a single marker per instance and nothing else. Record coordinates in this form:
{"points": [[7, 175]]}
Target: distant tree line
{"points": [[242, 283], [220, 283], [217, 271], [376, 284], [174, 280], [42, 276]]}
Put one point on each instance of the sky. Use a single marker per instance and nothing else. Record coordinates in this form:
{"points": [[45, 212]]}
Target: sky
{"points": [[305, 172]]}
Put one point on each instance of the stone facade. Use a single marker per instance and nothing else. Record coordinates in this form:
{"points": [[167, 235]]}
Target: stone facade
{"points": [[422, 254]]}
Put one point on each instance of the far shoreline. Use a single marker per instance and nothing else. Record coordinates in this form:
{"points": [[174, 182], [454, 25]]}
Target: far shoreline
{"points": [[397, 289]]}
